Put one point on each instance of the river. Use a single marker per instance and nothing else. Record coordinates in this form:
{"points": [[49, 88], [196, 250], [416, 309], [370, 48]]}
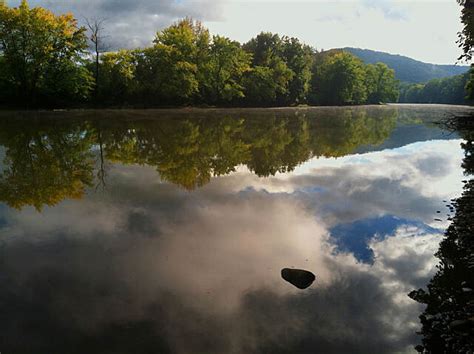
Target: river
{"points": [[162, 231]]}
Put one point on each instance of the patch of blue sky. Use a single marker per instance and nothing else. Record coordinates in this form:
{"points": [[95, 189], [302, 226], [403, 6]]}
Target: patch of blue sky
{"points": [[355, 237]]}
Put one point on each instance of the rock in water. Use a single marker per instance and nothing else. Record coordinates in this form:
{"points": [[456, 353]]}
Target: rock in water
{"points": [[302, 279]]}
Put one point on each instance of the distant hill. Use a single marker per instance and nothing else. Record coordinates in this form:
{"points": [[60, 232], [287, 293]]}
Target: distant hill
{"points": [[407, 69]]}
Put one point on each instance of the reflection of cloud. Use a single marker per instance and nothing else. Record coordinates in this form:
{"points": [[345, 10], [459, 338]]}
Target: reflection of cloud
{"points": [[409, 182], [217, 278], [407, 257], [347, 316], [212, 273], [235, 239], [431, 167]]}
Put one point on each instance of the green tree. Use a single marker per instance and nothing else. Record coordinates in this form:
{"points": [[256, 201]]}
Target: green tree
{"points": [[118, 73], [227, 64], [268, 82], [339, 79], [263, 85], [470, 85], [411, 93], [450, 90], [264, 48], [466, 35], [178, 60], [381, 84], [42, 55], [299, 59], [466, 39]]}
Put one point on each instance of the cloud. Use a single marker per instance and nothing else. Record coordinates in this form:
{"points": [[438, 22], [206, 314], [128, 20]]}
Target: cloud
{"points": [[390, 9], [131, 24]]}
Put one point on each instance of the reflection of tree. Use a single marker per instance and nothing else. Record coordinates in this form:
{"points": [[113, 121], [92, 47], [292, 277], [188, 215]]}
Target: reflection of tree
{"points": [[189, 151], [341, 133], [44, 163], [53, 159], [276, 145], [186, 152], [448, 320]]}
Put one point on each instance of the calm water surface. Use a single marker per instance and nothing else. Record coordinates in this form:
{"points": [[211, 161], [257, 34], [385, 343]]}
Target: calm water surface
{"points": [[166, 232]]}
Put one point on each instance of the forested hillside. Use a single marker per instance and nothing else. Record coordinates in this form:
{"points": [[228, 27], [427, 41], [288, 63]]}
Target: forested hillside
{"points": [[407, 69]]}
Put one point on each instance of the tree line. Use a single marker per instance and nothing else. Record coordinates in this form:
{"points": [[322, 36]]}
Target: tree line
{"points": [[48, 60], [450, 90]]}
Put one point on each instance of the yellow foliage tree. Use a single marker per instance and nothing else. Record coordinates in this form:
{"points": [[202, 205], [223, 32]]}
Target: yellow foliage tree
{"points": [[41, 54]]}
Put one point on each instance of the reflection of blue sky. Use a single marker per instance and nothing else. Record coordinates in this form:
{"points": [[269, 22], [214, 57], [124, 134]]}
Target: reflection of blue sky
{"points": [[355, 237]]}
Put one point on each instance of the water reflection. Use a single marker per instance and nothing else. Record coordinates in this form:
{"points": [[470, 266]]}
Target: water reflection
{"points": [[49, 157], [448, 320], [143, 265], [44, 163], [185, 149]]}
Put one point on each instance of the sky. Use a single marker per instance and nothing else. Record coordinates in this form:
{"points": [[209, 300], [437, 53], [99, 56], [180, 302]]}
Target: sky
{"points": [[422, 29]]}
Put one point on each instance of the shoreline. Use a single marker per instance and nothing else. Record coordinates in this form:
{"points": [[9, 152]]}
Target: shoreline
{"points": [[191, 109]]}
